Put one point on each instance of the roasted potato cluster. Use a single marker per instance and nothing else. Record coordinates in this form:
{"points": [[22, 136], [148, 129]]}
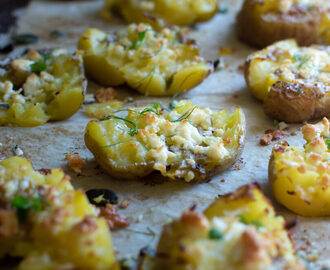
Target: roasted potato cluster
{"points": [[188, 142], [238, 231], [40, 86], [292, 81], [261, 23], [300, 178], [157, 63], [182, 12], [47, 223]]}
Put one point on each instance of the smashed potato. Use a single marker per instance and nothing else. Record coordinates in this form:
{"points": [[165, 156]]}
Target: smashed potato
{"points": [[261, 23], [188, 142], [239, 231], [154, 63], [300, 178], [41, 207], [292, 81], [182, 12], [40, 86]]}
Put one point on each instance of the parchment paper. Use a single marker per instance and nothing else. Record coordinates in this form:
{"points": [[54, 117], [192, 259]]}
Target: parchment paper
{"points": [[157, 203]]}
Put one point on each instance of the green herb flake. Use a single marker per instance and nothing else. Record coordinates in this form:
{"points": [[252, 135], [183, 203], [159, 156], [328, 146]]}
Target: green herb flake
{"points": [[276, 123], [141, 36], [38, 67], [326, 140], [23, 205], [223, 9], [215, 234], [256, 222]]}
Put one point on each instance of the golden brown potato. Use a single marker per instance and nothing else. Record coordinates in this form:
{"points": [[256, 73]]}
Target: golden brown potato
{"points": [[47, 223], [239, 231], [187, 143], [261, 23], [300, 177], [293, 82], [156, 63], [182, 12], [41, 86]]}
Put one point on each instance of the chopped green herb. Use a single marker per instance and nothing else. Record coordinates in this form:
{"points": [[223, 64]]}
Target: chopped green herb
{"points": [[327, 140], [141, 36], [243, 219], [223, 9], [133, 129], [302, 60], [185, 116], [37, 67], [23, 205], [215, 234], [255, 222], [24, 38], [276, 123]]}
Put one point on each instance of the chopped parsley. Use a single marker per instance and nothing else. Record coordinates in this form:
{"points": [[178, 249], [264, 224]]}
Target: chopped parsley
{"points": [[38, 67], [223, 9], [23, 205], [276, 123], [256, 222], [326, 140], [302, 60], [141, 36], [215, 234]]}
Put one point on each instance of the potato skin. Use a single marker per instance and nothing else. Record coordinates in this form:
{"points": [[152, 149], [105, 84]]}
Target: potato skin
{"points": [[291, 81], [186, 243], [260, 30], [153, 62], [300, 177], [184, 12], [65, 219], [169, 151], [62, 82], [295, 103]]}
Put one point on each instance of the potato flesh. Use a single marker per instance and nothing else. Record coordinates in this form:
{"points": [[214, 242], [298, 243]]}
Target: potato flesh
{"points": [[33, 98], [178, 149], [188, 240], [100, 110], [67, 221], [183, 12], [285, 61], [300, 178], [153, 63]]}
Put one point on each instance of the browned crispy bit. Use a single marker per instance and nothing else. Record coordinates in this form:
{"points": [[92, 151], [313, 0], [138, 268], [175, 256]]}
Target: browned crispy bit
{"points": [[272, 135], [87, 225], [125, 203], [113, 219], [266, 139], [75, 162], [105, 94]]}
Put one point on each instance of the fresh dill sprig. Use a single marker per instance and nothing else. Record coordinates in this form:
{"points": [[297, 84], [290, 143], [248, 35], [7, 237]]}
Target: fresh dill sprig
{"points": [[133, 129], [185, 116]]}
